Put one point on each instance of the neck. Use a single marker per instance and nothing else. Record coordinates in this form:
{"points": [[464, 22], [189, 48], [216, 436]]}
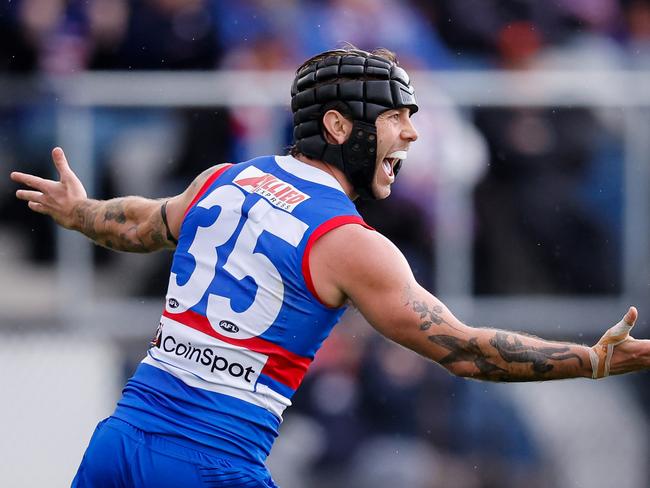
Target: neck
{"points": [[336, 173]]}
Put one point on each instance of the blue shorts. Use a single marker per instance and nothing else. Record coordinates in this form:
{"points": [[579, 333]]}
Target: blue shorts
{"points": [[121, 455]]}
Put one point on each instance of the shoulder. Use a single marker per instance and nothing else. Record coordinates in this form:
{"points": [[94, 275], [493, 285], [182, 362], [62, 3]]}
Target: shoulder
{"points": [[176, 206], [353, 257], [355, 241], [202, 178]]}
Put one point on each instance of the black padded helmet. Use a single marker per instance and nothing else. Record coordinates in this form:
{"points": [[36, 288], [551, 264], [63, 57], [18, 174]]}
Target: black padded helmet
{"points": [[361, 85]]}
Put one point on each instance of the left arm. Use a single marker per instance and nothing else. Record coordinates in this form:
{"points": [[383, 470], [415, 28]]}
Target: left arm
{"points": [[354, 263]]}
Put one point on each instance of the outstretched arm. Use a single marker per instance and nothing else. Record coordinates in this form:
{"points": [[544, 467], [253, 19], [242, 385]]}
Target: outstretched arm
{"points": [[133, 224], [374, 275]]}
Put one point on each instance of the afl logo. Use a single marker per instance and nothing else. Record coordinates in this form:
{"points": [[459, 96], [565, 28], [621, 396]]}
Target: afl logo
{"points": [[173, 303], [228, 326]]}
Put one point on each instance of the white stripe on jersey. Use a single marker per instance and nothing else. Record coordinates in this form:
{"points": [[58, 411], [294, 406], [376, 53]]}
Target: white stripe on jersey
{"points": [[307, 172], [263, 396]]}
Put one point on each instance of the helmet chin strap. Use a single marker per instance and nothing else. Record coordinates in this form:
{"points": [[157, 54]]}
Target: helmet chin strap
{"points": [[359, 158]]}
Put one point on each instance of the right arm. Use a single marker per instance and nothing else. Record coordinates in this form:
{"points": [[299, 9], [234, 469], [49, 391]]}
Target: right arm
{"points": [[132, 224]]}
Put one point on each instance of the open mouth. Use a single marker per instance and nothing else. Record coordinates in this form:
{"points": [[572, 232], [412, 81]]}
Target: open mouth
{"points": [[391, 161], [389, 164]]}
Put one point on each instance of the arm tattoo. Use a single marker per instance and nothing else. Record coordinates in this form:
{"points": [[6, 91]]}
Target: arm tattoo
{"points": [[516, 352], [108, 224], [462, 350], [86, 217], [429, 315], [511, 352], [115, 212], [498, 364]]}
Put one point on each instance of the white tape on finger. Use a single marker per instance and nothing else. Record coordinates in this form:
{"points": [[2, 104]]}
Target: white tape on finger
{"points": [[593, 357]]}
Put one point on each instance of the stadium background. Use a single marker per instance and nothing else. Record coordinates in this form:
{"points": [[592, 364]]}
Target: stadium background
{"points": [[524, 205]]}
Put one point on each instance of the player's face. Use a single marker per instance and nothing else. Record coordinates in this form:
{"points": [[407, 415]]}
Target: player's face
{"points": [[395, 132]]}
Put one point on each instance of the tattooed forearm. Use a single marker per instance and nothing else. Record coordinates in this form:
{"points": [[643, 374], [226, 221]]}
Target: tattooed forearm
{"points": [[488, 354], [462, 350], [514, 361], [502, 356], [130, 224], [115, 212], [517, 352], [86, 215]]}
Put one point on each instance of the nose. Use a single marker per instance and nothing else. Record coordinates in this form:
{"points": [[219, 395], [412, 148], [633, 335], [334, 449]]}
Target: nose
{"points": [[408, 131]]}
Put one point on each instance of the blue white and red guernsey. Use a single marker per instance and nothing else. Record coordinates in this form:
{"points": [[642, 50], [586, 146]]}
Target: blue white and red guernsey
{"points": [[242, 321]]}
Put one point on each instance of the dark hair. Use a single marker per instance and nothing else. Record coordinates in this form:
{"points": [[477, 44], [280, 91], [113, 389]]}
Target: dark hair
{"points": [[347, 48]]}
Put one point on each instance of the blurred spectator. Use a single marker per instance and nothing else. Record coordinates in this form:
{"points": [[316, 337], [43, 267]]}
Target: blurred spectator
{"points": [[55, 31], [330, 393], [406, 397], [369, 24], [260, 130], [17, 52], [152, 35], [637, 32], [473, 27], [260, 33], [540, 159]]}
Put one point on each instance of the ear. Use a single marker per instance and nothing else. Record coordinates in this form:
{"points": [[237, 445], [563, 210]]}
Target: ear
{"points": [[337, 128]]}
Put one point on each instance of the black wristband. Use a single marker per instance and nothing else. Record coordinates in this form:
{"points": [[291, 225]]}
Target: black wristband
{"points": [[163, 213]]}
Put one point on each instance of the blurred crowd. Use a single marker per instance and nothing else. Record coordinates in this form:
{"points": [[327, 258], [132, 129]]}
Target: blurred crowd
{"points": [[522, 164], [513, 155], [63, 36]]}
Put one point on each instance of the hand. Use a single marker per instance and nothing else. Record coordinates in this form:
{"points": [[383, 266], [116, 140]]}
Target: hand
{"points": [[618, 352], [57, 199]]}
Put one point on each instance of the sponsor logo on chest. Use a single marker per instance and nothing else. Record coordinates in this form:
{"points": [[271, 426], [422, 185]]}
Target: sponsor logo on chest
{"points": [[278, 192]]}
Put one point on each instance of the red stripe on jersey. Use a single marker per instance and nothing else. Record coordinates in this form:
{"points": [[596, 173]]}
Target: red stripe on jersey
{"points": [[211, 179], [319, 232], [283, 366]]}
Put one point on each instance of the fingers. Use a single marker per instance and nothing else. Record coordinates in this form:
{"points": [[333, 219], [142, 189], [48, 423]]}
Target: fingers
{"points": [[30, 195], [60, 162], [38, 207], [32, 181], [35, 201], [631, 316], [616, 335], [621, 330]]}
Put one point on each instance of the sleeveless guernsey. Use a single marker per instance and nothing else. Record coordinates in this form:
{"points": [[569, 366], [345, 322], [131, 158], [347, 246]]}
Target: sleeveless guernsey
{"points": [[242, 321]]}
